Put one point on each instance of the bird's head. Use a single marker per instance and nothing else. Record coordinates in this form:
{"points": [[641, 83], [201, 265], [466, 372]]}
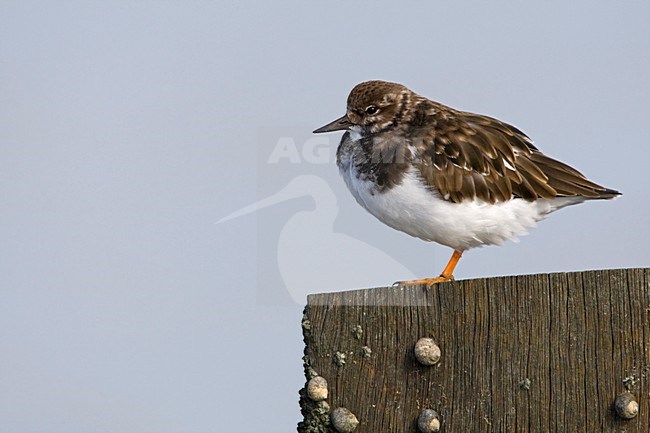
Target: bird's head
{"points": [[373, 107]]}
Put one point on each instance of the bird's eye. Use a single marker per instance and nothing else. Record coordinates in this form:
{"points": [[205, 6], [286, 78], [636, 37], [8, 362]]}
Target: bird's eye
{"points": [[372, 110]]}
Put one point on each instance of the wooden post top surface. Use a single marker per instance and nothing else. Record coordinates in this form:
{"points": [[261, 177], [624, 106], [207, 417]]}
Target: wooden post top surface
{"points": [[418, 295], [530, 353]]}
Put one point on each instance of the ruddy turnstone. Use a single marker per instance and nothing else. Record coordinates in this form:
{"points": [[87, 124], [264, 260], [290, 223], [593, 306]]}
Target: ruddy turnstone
{"points": [[460, 179]]}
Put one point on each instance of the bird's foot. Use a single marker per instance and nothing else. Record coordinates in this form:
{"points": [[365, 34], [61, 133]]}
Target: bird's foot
{"points": [[426, 281]]}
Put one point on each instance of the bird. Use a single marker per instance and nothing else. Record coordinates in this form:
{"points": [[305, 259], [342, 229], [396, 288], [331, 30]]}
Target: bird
{"points": [[443, 175]]}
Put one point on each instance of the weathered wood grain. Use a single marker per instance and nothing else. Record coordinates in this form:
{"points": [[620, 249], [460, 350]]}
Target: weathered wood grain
{"points": [[533, 353]]}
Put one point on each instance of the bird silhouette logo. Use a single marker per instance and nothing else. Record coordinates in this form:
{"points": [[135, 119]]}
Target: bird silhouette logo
{"points": [[311, 256]]}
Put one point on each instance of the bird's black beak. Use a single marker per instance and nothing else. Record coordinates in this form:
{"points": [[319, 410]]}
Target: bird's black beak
{"points": [[340, 124]]}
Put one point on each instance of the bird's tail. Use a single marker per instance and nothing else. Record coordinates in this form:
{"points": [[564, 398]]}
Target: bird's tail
{"points": [[569, 182], [606, 193]]}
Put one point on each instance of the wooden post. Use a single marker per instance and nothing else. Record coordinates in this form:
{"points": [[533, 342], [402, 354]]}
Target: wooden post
{"points": [[532, 353]]}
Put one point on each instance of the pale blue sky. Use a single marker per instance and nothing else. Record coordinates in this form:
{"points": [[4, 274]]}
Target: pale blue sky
{"points": [[127, 129]]}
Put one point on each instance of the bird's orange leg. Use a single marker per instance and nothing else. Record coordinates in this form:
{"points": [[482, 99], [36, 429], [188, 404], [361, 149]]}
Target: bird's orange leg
{"points": [[445, 276]]}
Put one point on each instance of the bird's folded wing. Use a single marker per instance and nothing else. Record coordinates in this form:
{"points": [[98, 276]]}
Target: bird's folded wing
{"points": [[465, 156]]}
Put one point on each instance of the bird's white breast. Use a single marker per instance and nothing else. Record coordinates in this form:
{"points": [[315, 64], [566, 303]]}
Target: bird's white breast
{"points": [[415, 209]]}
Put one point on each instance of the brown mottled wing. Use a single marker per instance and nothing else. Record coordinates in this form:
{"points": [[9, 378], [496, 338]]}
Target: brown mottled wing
{"points": [[466, 156]]}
